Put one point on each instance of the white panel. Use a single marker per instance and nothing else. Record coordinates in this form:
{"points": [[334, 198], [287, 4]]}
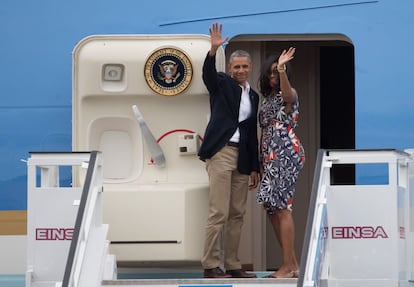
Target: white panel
{"points": [[13, 254], [157, 213], [363, 232], [120, 141]]}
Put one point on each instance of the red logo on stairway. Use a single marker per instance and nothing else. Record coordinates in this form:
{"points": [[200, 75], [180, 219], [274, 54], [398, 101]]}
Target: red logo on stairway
{"points": [[54, 233], [355, 232]]}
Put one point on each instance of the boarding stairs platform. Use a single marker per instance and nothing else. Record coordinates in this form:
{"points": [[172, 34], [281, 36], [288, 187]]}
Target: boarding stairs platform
{"points": [[357, 235]]}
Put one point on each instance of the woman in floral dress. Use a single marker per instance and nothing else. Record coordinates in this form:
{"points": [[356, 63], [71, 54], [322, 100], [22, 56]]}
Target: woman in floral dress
{"points": [[282, 155]]}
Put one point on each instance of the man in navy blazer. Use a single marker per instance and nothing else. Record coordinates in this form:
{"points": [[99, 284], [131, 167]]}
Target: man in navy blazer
{"points": [[230, 150]]}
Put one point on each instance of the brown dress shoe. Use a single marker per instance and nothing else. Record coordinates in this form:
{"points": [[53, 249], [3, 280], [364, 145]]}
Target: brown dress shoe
{"points": [[240, 273], [215, 273]]}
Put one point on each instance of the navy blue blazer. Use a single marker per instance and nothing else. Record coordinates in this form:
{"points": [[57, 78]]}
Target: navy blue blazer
{"points": [[225, 97]]}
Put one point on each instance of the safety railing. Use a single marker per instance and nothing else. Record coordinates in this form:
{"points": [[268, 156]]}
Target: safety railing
{"points": [[360, 234], [66, 238]]}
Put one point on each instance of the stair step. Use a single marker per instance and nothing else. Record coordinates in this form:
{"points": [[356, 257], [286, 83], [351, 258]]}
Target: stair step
{"points": [[228, 282]]}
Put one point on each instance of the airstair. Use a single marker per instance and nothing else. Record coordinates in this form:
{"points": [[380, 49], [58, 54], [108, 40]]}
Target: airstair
{"points": [[357, 235]]}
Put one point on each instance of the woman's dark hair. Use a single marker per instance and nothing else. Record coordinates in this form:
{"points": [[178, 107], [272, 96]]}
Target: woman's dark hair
{"points": [[265, 72]]}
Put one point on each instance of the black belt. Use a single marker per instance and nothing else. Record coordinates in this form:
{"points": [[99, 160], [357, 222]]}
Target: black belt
{"points": [[233, 144]]}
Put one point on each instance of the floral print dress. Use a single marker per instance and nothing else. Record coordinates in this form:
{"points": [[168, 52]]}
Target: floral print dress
{"points": [[281, 153]]}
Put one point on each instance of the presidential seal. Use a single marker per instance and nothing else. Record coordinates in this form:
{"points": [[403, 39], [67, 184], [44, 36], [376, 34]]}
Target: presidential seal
{"points": [[168, 71]]}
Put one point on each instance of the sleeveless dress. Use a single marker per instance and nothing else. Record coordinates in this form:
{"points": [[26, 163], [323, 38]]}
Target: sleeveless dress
{"points": [[281, 153]]}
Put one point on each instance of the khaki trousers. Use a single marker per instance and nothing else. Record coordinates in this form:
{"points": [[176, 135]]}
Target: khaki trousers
{"points": [[227, 206]]}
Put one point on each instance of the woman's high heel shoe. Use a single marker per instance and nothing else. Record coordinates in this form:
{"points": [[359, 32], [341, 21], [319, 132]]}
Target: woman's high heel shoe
{"points": [[291, 274]]}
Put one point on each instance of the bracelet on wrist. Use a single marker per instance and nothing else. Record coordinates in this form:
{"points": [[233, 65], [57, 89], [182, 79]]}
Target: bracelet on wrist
{"points": [[281, 69]]}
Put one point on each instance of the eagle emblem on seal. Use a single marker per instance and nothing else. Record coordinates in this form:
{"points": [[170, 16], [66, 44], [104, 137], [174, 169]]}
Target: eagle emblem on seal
{"points": [[168, 71]]}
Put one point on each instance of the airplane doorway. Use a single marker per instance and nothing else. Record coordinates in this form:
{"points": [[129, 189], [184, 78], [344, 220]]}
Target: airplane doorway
{"points": [[323, 73]]}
